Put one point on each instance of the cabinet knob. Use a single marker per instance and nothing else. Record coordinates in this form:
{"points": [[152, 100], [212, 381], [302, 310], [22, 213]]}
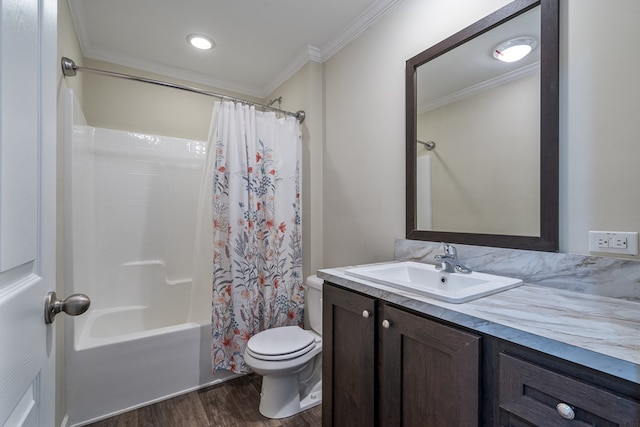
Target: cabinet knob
{"points": [[365, 314], [386, 324], [565, 411]]}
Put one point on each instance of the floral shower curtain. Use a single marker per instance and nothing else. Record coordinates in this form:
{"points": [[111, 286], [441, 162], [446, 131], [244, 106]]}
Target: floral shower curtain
{"points": [[257, 258]]}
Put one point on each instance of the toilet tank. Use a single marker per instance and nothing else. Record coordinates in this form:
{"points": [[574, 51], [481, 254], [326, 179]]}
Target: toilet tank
{"points": [[313, 303]]}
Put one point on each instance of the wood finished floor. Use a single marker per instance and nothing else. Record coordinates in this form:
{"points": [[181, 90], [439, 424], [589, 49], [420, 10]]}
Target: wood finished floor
{"points": [[230, 404]]}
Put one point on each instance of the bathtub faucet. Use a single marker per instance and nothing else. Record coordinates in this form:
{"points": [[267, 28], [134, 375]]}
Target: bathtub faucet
{"points": [[449, 262]]}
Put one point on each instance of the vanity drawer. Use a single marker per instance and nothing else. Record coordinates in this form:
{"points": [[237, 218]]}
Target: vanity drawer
{"points": [[529, 395]]}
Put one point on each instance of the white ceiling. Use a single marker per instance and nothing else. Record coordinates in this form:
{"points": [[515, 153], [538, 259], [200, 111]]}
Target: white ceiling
{"points": [[259, 43]]}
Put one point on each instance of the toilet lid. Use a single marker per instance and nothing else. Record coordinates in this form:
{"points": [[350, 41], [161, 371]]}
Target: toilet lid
{"points": [[282, 343]]}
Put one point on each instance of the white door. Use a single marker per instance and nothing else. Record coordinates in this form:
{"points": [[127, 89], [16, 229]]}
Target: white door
{"points": [[28, 67]]}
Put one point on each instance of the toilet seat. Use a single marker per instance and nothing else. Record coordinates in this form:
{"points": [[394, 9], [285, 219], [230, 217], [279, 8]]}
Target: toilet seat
{"points": [[283, 343]]}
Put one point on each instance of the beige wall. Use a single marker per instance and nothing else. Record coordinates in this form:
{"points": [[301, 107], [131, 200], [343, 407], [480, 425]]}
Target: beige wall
{"points": [[364, 94], [140, 107], [364, 167], [600, 126]]}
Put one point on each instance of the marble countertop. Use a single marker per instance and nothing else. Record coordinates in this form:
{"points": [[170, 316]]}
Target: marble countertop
{"points": [[599, 332]]}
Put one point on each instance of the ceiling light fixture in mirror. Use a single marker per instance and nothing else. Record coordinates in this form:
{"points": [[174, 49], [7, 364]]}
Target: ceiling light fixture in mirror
{"points": [[515, 49]]}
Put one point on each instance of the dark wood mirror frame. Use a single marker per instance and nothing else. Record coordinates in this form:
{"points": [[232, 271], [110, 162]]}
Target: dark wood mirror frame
{"points": [[549, 131]]}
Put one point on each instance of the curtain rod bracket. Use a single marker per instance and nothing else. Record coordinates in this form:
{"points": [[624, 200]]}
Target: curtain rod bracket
{"points": [[69, 68], [429, 145]]}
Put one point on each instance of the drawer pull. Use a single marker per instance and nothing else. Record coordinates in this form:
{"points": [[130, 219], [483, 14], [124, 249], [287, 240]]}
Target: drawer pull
{"points": [[365, 314], [386, 324], [565, 411]]}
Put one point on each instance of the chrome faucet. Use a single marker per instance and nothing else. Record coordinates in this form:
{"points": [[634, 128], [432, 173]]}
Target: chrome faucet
{"points": [[449, 261]]}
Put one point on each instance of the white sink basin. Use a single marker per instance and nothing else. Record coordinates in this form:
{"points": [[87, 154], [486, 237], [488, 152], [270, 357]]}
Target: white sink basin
{"points": [[424, 279]]}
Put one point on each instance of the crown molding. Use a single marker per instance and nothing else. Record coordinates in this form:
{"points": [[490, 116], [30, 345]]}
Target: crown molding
{"points": [[171, 71], [366, 19], [308, 53], [311, 53], [495, 82]]}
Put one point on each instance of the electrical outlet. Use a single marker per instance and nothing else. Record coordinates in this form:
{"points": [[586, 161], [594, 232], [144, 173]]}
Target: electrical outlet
{"points": [[603, 242], [619, 242], [614, 242]]}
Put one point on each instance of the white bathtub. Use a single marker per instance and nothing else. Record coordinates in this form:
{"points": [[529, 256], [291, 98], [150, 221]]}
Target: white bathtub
{"points": [[125, 360], [126, 357], [130, 223]]}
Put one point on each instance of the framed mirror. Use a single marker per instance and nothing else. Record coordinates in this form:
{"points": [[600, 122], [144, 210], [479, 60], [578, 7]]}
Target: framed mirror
{"points": [[482, 134]]}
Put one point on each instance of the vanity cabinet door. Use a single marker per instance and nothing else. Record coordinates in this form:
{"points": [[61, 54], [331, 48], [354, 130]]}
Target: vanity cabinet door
{"points": [[348, 359], [430, 374], [530, 394]]}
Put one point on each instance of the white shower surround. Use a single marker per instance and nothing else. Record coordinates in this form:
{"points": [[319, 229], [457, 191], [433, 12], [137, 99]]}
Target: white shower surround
{"points": [[131, 205]]}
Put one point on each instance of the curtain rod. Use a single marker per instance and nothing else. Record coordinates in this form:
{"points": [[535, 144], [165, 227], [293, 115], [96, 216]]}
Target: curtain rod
{"points": [[70, 69]]}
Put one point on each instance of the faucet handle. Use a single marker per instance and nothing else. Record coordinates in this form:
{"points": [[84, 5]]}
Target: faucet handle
{"points": [[450, 250]]}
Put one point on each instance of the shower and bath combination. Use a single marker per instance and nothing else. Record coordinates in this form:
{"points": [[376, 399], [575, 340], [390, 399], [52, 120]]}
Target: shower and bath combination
{"points": [[131, 206]]}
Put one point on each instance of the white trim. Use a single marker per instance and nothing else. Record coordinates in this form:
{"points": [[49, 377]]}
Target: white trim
{"points": [[48, 192], [500, 80]]}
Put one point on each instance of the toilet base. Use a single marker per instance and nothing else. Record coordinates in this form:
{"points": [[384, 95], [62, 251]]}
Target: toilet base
{"points": [[280, 397], [312, 399], [284, 396]]}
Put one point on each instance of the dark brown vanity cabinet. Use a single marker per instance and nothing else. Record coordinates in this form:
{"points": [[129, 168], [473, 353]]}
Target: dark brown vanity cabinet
{"points": [[348, 358], [384, 366], [429, 372]]}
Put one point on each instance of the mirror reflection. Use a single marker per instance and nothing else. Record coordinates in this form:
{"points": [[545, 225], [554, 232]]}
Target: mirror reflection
{"points": [[483, 116], [482, 133]]}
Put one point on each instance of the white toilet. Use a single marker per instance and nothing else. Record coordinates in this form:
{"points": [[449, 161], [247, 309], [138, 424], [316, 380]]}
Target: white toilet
{"points": [[290, 360]]}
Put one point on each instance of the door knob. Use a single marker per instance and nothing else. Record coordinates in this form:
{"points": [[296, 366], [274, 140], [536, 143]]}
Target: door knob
{"points": [[73, 305], [386, 324]]}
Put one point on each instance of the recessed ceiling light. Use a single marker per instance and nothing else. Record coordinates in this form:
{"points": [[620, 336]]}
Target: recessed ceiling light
{"points": [[515, 49], [200, 42]]}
